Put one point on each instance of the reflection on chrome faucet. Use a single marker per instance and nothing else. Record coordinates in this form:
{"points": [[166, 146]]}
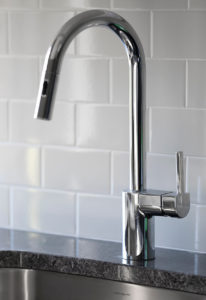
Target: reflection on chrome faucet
{"points": [[139, 204]]}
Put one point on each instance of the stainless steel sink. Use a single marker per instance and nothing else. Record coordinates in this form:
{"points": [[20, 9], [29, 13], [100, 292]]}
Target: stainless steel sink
{"points": [[20, 284]]}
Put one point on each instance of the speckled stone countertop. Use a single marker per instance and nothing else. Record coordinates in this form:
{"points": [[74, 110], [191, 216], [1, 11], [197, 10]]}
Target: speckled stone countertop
{"points": [[179, 270]]}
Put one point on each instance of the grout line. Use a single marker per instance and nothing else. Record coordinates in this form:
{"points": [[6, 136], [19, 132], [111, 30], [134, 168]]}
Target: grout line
{"points": [[11, 211], [186, 160], [20, 144], [40, 65], [41, 167], [150, 130], [125, 9], [188, 4], [196, 157], [111, 100], [172, 154], [70, 102], [79, 10], [75, 125], [9, 121], [175, 59], [41, 189], [90, 104], [186, 85], [111, 173], [96, 195], [112, 4], [41, 162], [186, 173], [196, 230], [160, 154], [62, 147], [77, 215], [71, 56], [9, 204], [61, 191], [19, 56], [9, 34], [178, 108], [152, 34]]}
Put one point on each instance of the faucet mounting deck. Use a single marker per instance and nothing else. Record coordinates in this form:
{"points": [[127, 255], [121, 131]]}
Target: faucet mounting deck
{"points": [[139, 205]]}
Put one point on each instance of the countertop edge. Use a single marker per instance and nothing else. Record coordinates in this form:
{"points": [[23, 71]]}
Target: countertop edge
{"points": [[158, 278]]}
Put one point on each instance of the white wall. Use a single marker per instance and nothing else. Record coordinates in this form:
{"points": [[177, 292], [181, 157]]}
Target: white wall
{"points": [[66, 176]]}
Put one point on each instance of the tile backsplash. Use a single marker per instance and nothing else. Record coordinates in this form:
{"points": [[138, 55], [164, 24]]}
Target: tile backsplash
{"points": [[66, 176]]}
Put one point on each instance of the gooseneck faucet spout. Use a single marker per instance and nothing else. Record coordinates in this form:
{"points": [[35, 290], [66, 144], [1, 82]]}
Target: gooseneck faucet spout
{"points": [[139, 205], [136, 58]]}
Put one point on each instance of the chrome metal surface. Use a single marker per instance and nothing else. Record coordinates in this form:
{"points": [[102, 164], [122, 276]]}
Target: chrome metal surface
{"points": [[19, 284], [139, 205], [136, 57]]}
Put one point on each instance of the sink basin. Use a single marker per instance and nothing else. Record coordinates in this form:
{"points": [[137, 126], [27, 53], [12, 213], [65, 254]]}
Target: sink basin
{"points": [[20, 284]]}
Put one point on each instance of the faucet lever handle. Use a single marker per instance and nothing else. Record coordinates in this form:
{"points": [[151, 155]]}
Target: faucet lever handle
{"points": [[180, 177], [177, 204]]}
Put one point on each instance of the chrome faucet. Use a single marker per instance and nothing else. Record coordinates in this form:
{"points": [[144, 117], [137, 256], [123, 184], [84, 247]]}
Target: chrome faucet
{"points": [[139, 205]]}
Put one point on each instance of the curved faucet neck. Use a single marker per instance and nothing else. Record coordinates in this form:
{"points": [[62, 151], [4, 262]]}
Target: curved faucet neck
{"points": [[136, 60]]}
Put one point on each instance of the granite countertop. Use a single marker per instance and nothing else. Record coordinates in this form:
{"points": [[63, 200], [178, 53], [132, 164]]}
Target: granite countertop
{"points": [[179, 270]]}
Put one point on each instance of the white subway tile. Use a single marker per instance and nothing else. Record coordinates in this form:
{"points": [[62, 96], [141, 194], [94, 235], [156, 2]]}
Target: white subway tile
{"points": [[84, 80], [24, 128], [85, 171], [33, 32], [173, 130], [198, 4], [165, 83], [196, 179], [176, 233], [151, 4], [3, 120], [4, 203], [3, 33], [23, 4], [75, 4], [102, 127], [19, 165], [200, 242], [161, 172], [100, 217], [97, 41], [196, 84], [120, 81], [186, 234], [50, 212], [180, 34], [120, 167], [19, 77]]}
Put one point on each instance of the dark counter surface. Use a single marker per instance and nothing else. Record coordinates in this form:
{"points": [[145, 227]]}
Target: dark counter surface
{"points": [[179, 270]]}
